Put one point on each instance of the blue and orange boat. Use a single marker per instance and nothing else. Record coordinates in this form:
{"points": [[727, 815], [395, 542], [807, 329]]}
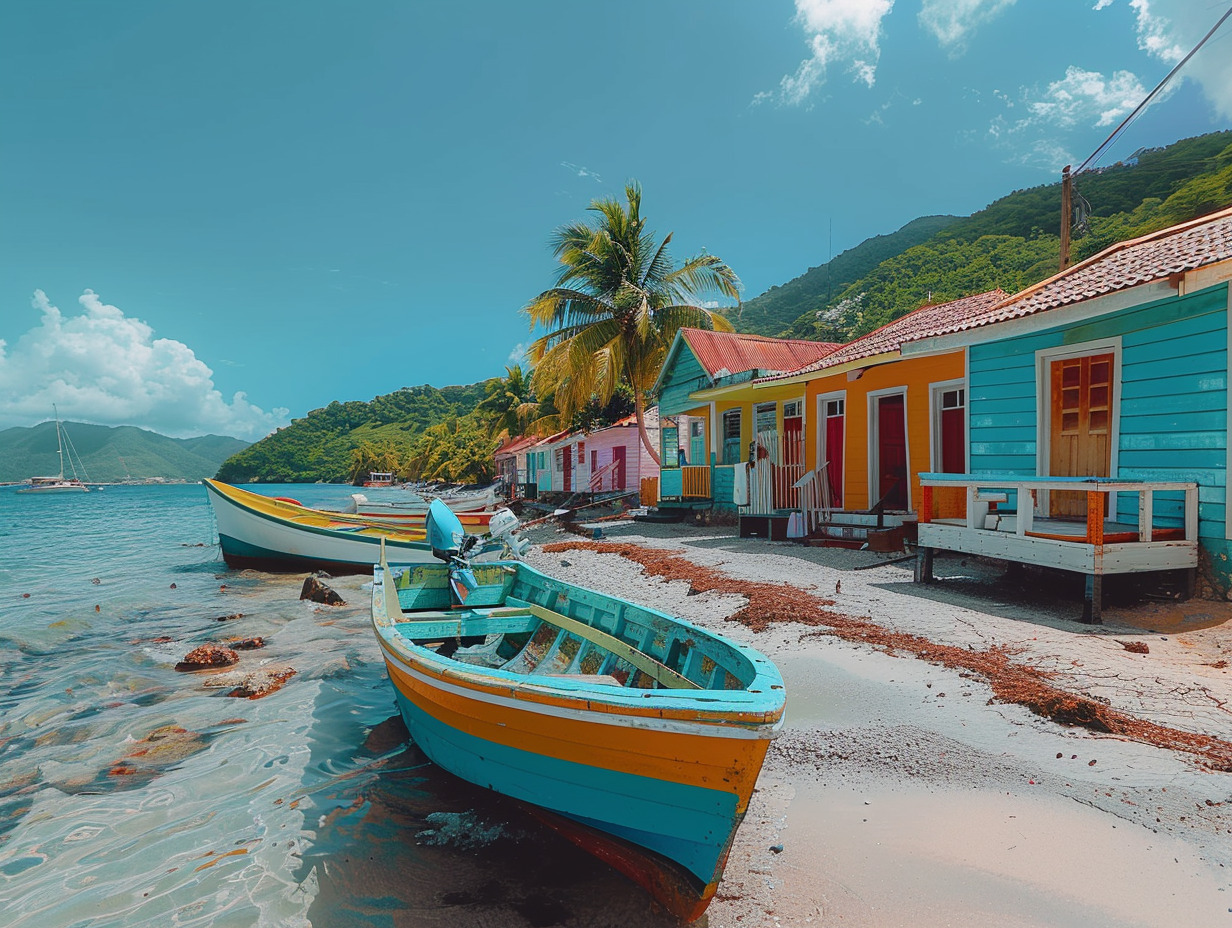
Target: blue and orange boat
{"points": [[637, 735]]}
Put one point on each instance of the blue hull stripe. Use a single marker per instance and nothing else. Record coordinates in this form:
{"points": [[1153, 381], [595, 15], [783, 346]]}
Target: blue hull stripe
{"points": [[687, 824]]}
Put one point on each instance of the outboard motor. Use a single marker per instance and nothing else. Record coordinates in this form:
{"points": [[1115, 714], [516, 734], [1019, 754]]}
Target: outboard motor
{"points": [[445, 533], [501, 527]]}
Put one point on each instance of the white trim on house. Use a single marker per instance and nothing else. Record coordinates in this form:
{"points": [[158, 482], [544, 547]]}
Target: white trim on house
{"points": [[1043, 406], [967, 414], [874, 436], [935, 389]]}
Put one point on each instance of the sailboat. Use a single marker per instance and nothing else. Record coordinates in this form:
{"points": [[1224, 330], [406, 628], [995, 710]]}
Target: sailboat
{"points": [[59, 483]]}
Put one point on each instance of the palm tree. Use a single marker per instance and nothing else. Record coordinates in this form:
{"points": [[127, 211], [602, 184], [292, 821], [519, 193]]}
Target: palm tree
{"points": [[617, 304], [509, 403]]}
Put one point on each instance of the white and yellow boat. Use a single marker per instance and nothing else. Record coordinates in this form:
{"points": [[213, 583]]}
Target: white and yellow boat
{"points": [[269, 533]]}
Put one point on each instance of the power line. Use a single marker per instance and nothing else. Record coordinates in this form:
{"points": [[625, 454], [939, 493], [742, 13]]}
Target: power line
{"points": [[1151, 96]]}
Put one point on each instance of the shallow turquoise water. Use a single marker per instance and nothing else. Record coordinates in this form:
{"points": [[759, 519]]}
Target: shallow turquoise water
{"points": [[131, 794]]}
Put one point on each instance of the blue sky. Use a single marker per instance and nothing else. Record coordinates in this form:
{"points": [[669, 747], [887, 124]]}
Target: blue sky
{"points": [[217, 216]]}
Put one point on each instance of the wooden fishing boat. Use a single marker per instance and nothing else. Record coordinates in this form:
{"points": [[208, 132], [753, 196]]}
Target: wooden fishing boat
{"points": [[279, 534], [637, 735]]}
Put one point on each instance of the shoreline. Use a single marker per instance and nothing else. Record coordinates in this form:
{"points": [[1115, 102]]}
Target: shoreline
{"points": [[903, 792]]}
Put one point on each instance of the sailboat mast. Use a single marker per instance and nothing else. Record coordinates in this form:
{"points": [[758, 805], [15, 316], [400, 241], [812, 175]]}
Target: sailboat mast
{"points": [[59, 440]]}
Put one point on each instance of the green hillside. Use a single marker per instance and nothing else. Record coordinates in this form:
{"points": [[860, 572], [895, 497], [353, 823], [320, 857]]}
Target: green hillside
{"points": [[318, 447], [111, 454], [1015, 242], [775, 310]]}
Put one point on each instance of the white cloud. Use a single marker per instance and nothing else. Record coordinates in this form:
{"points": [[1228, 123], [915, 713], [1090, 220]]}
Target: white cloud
{"points": [[838, 31], [1088, 98], [1168, 29], [107, 368], [580, 171], [518, 354], [952, 21]]}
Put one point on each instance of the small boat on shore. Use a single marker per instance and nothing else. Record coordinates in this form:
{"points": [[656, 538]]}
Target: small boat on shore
{"points": [[637, 735], [270, 533]]}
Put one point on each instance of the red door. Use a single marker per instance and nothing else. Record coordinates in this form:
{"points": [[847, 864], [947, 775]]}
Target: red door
{"points": [[568, 468], [793, 440], [834, 459], [892, 452], [618, 472]]}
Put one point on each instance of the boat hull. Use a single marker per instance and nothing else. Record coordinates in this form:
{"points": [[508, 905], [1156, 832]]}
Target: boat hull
{"points": [[250, 537], [655, 829]]}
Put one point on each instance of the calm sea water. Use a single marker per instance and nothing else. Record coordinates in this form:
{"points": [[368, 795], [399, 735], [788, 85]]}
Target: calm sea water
{"points": [[131, 794]]}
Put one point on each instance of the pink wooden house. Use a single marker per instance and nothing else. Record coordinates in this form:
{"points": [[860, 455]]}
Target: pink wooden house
{"points": [[614, 458]]}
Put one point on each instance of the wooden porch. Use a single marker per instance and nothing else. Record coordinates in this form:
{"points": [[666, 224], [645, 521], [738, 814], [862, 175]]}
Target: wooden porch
{"points": [[1104, 543]]}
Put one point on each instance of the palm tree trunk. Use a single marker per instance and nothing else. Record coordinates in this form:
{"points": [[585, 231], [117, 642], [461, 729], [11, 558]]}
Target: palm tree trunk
{"points": [[638, 410]]}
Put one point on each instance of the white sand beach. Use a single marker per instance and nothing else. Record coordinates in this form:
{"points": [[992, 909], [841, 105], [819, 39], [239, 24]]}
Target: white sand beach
{"points": [[902, 792]]}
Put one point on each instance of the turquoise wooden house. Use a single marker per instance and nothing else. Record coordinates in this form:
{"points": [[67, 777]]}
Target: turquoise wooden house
{"points": [[704, 436], [1097, 405]]}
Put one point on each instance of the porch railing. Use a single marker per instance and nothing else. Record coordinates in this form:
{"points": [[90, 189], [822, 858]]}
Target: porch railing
{"points": [[695, 481], [1101, 494]]}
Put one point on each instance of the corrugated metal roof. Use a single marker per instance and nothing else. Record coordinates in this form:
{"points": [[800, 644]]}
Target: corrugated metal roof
{"points": [[920, 323], [723, 353], [1157, 256]]}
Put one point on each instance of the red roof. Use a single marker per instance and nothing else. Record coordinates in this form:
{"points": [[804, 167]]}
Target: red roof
{"points": [[514, 445], [1152, 257], [920, 323], [722, 353]]}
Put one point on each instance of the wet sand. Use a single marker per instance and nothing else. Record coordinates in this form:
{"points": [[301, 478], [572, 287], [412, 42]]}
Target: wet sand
{"points": [[903, 793]]}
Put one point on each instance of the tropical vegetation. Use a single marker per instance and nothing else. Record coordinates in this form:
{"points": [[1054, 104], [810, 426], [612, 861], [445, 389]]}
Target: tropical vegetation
{"points": [[1014, 241], [619, 300]]}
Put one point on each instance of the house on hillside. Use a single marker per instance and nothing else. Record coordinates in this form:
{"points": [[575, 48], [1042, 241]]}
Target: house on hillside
{"points": [[1097, 407]]}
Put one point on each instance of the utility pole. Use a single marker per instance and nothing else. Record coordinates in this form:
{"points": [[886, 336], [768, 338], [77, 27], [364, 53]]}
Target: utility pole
{"points": [[1066, 211]]}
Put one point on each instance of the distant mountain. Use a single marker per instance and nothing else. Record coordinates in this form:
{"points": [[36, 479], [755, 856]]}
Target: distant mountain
{"points": [[774, 311], [318, 447], [111, 454], [1012, 243]]}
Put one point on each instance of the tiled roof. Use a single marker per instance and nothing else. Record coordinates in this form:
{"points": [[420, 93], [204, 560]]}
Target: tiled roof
{"points": [[920, 323], [723, 353], [1144, 260]]}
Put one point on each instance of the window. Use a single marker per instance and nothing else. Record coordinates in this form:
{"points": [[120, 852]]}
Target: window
{"points": [[764, 418], [793, 409], [835, 408]]}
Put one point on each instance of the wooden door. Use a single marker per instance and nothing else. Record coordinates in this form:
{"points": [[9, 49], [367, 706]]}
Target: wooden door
{"points": [[834, 458], [618, 472], [567, 467], [1080, 426], [891, 452], [697, 442], [793, 439]]}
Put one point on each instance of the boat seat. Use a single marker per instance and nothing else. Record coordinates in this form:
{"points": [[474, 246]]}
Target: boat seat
{"points": [[599, 679]]}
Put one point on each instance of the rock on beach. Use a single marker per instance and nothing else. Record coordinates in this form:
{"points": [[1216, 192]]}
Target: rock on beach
{"points": [[207, 657]]}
